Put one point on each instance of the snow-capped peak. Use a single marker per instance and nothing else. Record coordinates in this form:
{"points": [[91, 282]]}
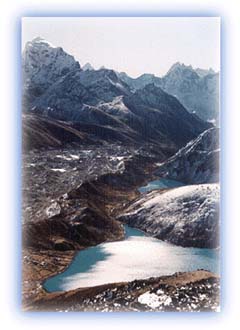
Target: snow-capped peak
{"points": [[88, 66], [179, 66], [44, 63], [40, 40]]}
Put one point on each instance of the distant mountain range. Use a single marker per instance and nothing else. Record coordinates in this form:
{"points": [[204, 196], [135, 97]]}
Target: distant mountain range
{"points": [[197, 90], [140, 110]]}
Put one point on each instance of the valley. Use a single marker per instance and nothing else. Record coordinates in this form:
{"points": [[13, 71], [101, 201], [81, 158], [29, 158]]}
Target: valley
{"points": [[112, 173]]}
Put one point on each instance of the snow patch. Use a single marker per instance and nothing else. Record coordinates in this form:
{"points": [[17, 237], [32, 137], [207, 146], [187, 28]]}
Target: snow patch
{"points": [[61, 170], [74, 156], [63, 157], [53, 209], [153, 300]]}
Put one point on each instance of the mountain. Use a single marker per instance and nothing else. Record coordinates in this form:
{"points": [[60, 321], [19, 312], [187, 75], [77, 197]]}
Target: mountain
{"points": [[198, 94], [42, 65], [186, 216], [76, 96], [103, 84], [197, 162], [141, 81], [100, 97], [197, 90], [163, 115], [149, 112], [77, 90], [204, 72], [87, 66]]}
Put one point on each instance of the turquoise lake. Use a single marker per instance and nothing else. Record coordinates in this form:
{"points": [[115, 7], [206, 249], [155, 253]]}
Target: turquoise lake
{"points": [[138, 256], [160, 184]]}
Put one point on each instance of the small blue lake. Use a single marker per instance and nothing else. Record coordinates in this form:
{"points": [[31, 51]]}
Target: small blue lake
{"points": [[160, 184], [138, 256]]}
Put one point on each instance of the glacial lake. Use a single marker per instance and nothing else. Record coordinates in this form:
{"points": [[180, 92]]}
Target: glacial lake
{"points": [[160, 184], [138, 256]]}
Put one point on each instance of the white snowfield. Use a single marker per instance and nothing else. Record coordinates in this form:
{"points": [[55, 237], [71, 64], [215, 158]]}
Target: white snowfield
{"points": [[177, 197], [153, 300], [187, 215]]}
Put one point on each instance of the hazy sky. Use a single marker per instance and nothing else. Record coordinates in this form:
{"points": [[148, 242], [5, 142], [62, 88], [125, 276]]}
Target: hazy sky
{"points": [[133, 45]]}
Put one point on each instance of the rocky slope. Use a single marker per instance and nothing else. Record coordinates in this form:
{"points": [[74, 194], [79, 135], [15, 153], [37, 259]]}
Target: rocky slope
{"points": [[43, 132], [70, 193], [187, 216], [197, 162], [91, 97], [164, 116], [182, 292], [197, 90], [70, 198]]}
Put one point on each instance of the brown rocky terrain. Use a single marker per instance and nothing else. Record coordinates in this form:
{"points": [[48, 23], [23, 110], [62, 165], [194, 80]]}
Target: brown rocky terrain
{"points": [[71, 194], [73, 191], [192, 291]]}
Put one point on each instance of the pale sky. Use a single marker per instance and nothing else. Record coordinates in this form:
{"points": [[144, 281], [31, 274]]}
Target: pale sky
{"points": [[134, 45]]}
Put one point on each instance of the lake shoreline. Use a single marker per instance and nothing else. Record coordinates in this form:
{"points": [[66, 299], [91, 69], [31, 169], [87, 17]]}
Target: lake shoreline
{"points": [[62, 263], [150, 257]]}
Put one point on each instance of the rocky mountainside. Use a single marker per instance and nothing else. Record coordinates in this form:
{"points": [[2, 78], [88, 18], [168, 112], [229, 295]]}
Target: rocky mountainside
{"points": [[186, 216], [197, 162], [197, 90], [100, 97], [42, 65], [163, 113]]}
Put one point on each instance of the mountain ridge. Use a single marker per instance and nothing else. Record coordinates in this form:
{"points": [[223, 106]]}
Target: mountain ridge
{"points": [[100, 97], [197, 89]]}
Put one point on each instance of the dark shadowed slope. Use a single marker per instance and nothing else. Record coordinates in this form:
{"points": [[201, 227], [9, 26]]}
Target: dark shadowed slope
{"points": [[197, 162]]}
